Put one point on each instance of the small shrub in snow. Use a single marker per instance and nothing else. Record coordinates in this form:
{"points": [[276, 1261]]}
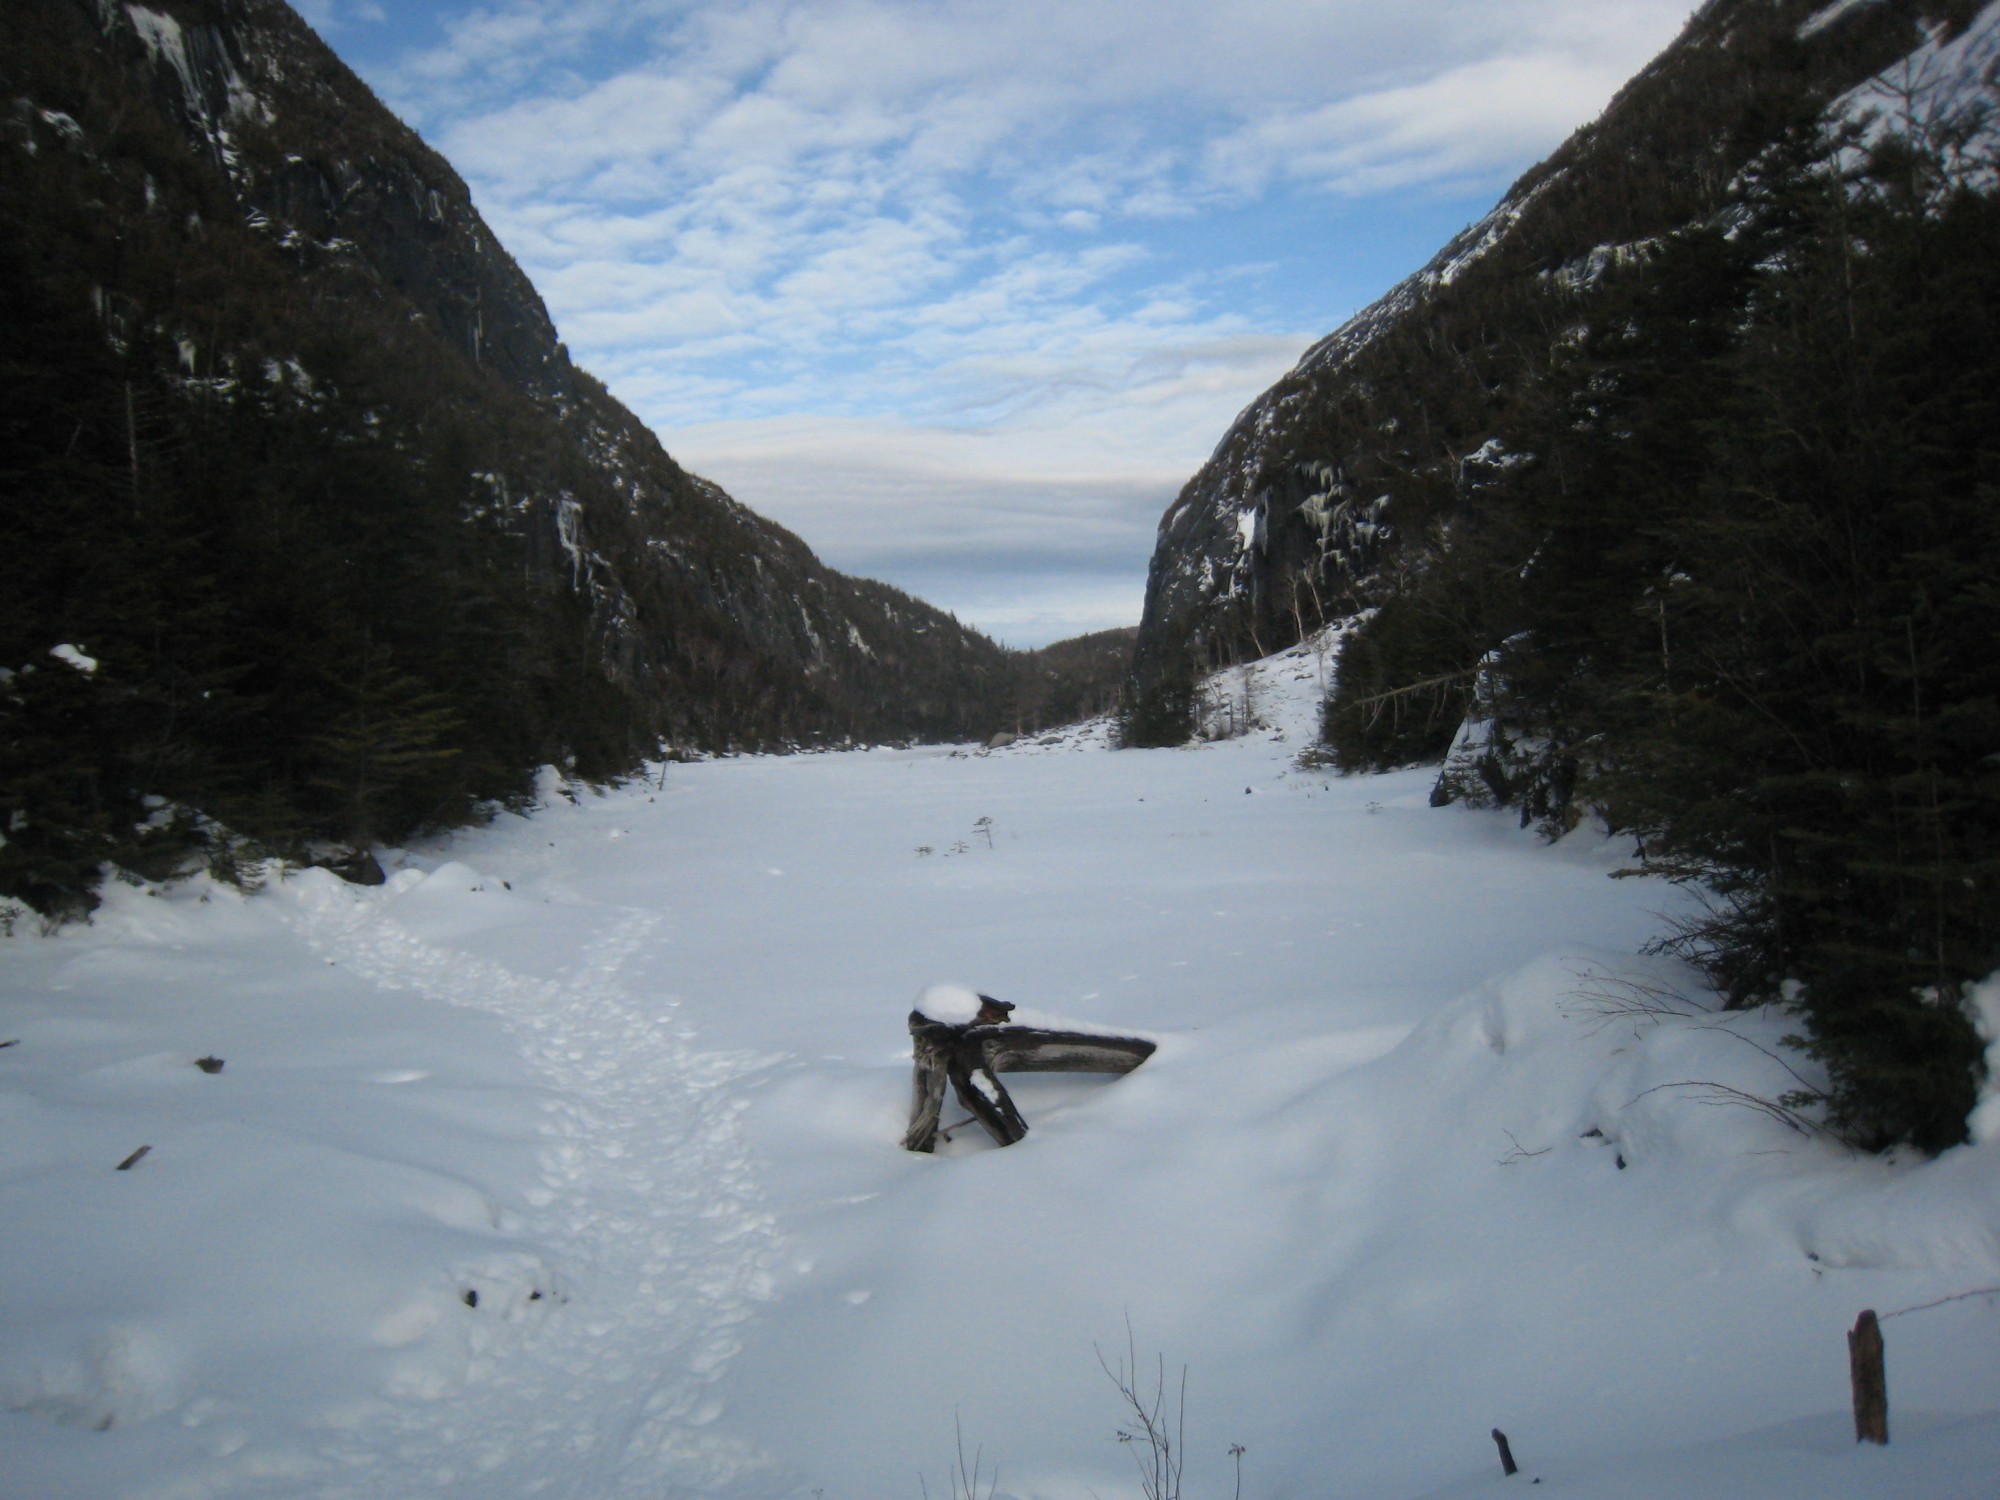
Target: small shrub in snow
{"points": [[965, 1479], [1152, 1430]]}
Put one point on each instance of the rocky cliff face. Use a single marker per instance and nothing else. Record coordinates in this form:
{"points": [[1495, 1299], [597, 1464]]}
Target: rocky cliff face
{"points": [[1326, 491], [314, 162], [289, 443], [715, 624]]}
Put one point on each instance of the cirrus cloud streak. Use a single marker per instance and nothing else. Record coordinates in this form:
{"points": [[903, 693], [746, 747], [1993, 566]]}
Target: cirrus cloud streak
{"points": [[842, 253]]}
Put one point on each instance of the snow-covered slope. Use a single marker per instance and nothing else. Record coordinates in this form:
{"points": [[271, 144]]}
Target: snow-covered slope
{"points": [[566, 1163]]}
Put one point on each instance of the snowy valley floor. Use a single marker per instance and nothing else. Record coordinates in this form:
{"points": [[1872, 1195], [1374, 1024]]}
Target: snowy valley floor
{"points": [[566, 1164]]}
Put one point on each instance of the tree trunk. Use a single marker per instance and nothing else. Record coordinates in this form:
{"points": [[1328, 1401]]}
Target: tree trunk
{"points": [[972, 1056], [987, 1100], [1871, 1380], [926, 1104]]}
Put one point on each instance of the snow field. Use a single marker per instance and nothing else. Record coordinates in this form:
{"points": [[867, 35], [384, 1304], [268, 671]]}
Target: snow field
{"points": [[633, 1071]]}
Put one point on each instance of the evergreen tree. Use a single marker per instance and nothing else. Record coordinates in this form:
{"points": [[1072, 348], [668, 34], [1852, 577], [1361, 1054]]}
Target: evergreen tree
{"points": [[1742, 599], [382, 760]]}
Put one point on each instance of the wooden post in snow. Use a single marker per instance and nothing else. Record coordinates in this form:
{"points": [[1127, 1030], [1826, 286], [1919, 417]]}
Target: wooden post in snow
{"points": [[930, 1061], [1871, 1380], [970, 1055]]}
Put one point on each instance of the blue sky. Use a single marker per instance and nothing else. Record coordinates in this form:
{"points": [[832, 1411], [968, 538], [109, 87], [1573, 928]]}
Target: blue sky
{"points": [[963, 291]]}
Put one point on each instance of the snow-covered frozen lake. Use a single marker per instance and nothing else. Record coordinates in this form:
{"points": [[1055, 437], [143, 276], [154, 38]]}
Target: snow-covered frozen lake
{"points": [[566, 1164]]}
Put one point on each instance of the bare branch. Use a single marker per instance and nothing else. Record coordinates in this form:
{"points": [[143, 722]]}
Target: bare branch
{"points": [[1723, 1095], [1984, 1291], [1154, 1434]]}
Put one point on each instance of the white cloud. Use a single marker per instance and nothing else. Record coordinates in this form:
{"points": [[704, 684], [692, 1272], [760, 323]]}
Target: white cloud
{"points": [[954, 229], [332, 17], [801, 167], [1060, 499], [1006, 529], [1472, 119]]}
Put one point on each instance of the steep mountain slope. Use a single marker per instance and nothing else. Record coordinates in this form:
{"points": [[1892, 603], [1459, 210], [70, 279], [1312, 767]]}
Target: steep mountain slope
{"points": [[1324, 490], [1668, 492], [1076, 679], [294, 456]]}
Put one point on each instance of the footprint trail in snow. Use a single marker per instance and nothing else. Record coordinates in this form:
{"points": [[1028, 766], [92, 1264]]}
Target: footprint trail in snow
{"points": [[642, 1252]]}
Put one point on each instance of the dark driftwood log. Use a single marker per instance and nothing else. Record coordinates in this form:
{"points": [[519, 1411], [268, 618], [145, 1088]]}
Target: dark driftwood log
{"points": [[971, 1057], [986, 1099], [926, 1101], [1871, 1380], [1027, 1049]]}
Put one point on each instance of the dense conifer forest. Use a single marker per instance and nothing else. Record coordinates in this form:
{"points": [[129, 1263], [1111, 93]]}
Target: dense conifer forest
{"points": [[1670, 497], [1737, 597]]}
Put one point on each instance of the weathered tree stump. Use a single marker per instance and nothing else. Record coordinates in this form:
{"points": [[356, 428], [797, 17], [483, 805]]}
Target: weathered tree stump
{"points": [[1871, 1380], [970, 1054]]}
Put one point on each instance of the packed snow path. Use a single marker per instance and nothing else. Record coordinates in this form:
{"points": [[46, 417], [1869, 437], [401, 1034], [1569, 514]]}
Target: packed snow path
{"points": [[646, 1191], [566, 1164]]}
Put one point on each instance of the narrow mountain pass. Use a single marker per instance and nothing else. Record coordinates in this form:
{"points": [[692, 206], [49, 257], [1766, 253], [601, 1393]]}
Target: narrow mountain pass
{"points": [[567, 1162]]}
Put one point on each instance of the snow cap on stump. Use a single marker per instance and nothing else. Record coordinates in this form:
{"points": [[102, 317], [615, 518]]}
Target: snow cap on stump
{"points": [[959, 1005]]}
